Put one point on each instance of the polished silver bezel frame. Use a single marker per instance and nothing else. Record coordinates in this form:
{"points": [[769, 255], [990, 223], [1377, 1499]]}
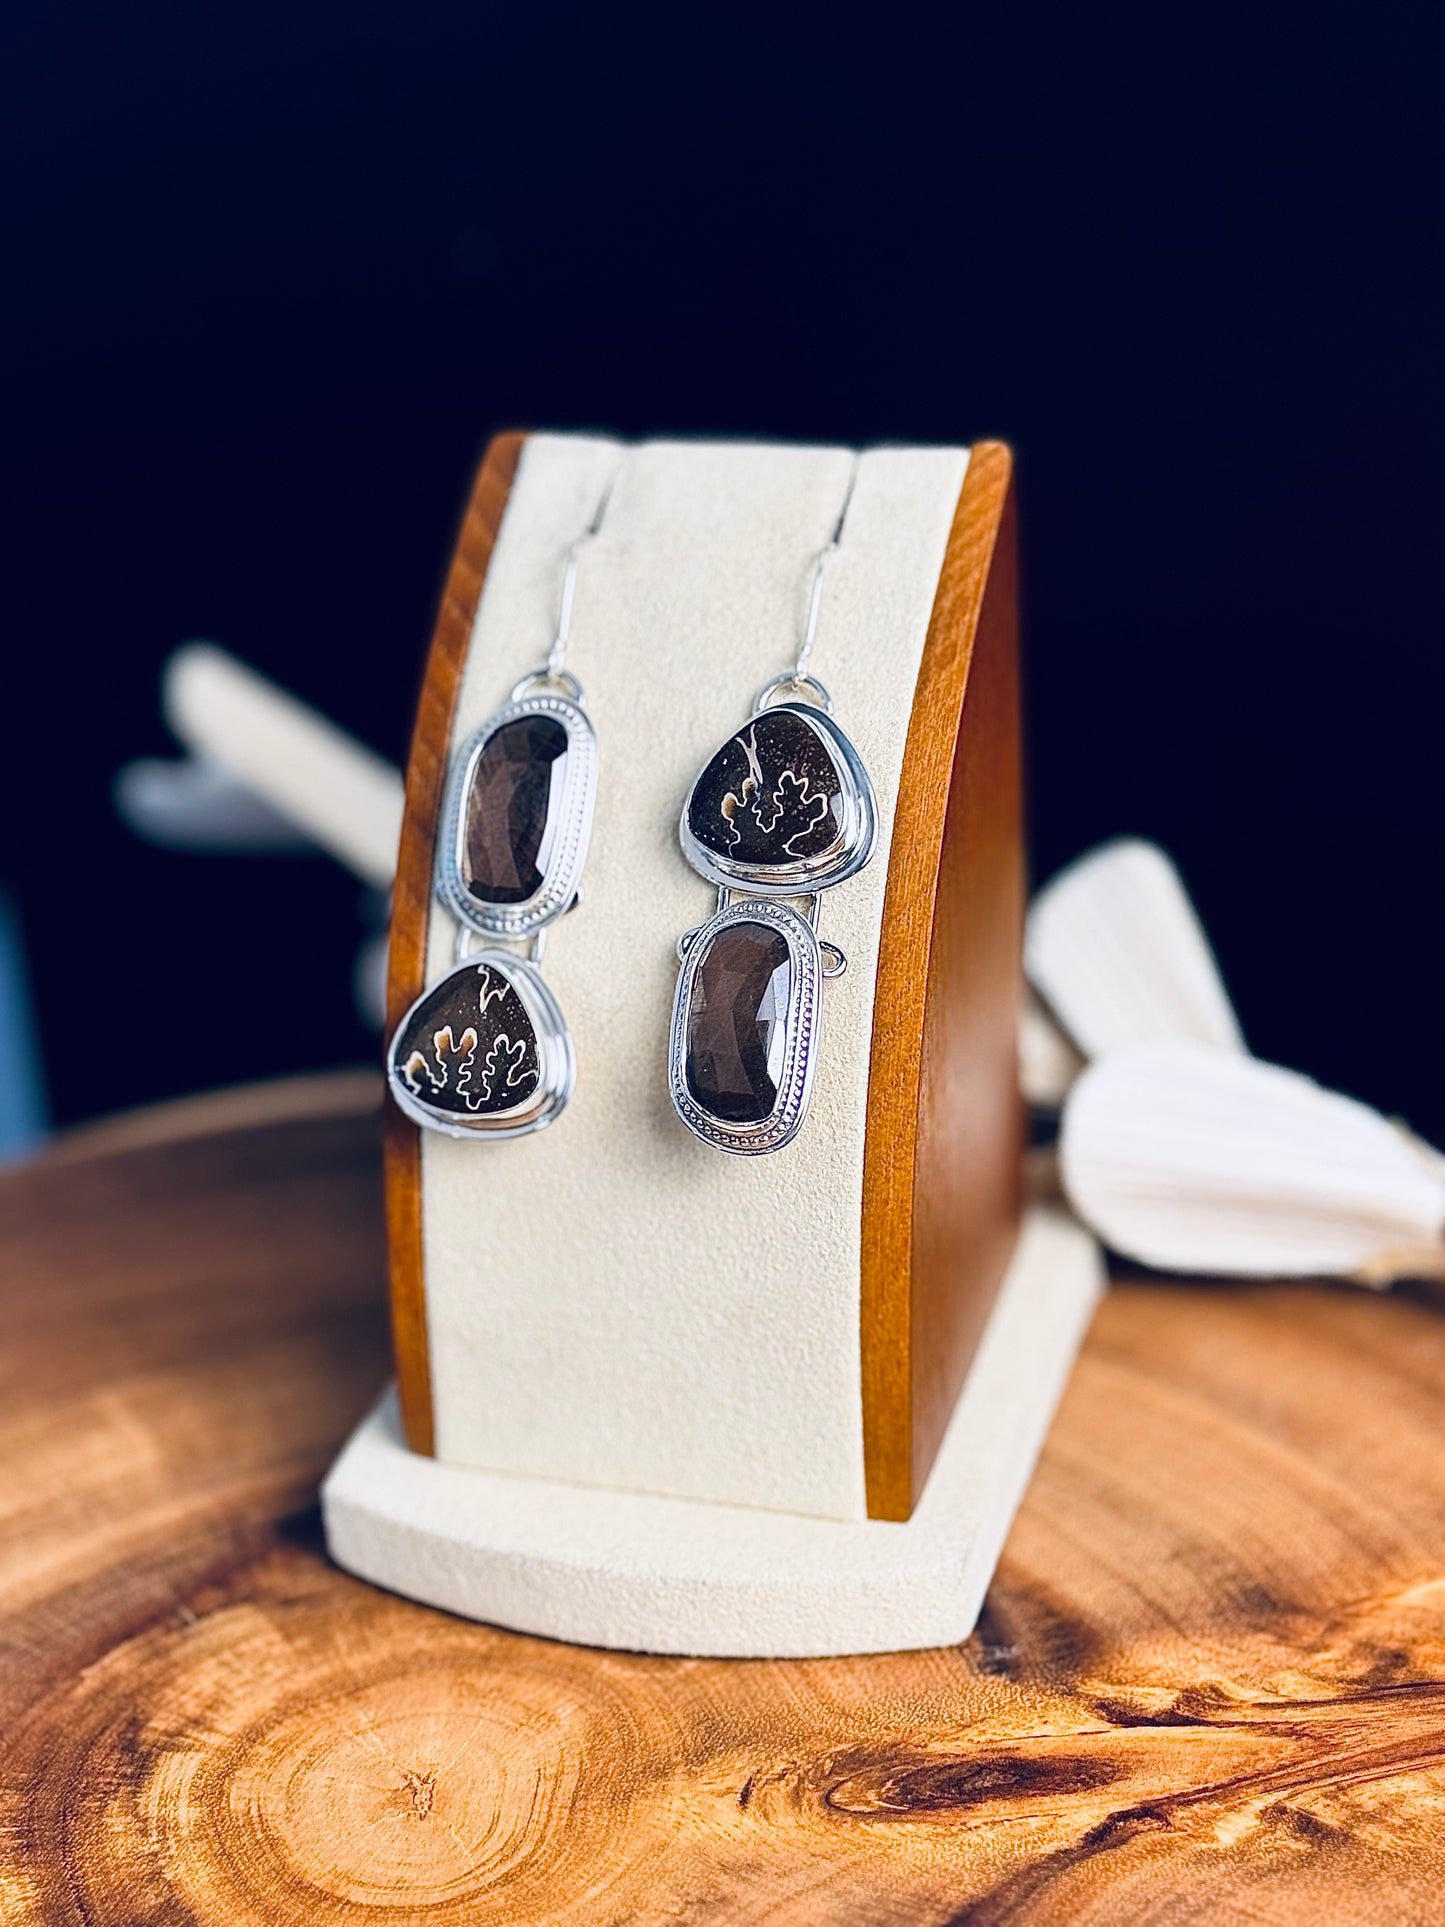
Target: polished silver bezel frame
{"points": [[559, 883], [804, 1011], [851, 849], [556, 1059]]}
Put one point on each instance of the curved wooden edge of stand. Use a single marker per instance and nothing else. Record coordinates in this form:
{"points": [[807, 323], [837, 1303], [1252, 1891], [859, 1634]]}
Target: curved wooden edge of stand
{"points": [[941, 1194], [406, 971]]}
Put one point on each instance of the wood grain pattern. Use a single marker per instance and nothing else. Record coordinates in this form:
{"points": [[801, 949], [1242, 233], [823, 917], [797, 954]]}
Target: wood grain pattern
{"points": [[1209, 1686], [941, 1198], [411, 903]]}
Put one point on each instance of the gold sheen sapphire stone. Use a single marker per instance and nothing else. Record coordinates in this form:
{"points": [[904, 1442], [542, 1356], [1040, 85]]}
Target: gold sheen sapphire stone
{"points": [[737, 1023], [512, 808]]}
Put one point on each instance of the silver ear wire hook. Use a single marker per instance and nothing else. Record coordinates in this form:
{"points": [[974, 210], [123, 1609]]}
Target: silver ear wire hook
{"points": [[815, 592], [557, 654]]}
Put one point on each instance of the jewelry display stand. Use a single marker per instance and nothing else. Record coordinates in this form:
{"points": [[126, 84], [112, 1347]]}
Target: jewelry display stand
{"points": [[654, 1396]]}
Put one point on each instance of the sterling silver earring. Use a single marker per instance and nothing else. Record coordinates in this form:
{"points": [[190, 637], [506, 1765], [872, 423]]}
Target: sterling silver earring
{"points": [[486, 1051], [785, 809]]}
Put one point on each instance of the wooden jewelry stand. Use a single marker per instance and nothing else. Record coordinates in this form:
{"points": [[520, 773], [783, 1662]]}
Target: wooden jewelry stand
{"points": [[657, 1397]]}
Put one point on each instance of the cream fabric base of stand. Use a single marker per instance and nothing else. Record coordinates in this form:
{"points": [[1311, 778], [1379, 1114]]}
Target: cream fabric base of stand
{"points": [[627, 1569]]}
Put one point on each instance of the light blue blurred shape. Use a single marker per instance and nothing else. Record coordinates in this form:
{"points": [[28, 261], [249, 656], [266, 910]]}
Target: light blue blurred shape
{"points": [[22, 1099]]}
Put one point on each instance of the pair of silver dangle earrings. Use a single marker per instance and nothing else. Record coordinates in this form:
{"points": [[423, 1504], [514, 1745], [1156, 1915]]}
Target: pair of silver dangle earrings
{"points": [[782, 812]]}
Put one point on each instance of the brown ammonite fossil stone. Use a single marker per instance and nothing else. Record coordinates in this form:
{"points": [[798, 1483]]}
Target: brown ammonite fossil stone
{"points": [[469, 1048], [771, 795]]}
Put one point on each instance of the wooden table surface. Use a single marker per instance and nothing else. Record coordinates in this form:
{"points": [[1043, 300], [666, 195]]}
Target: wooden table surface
{"points": [[1209, 1684]]}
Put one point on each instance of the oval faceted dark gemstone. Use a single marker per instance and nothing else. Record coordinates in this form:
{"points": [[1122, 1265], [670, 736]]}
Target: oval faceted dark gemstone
{"points": [[772, 794], [510, 812], [469, 1046], [737, 1023]]}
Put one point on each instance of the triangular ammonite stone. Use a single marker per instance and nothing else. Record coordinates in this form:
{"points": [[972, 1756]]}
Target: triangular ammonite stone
{"points": [[772, 794], [468, 1048]]}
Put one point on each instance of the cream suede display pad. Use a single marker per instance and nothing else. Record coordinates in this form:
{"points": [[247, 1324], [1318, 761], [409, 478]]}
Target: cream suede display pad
{"points": [[611, 1301], [662, 1575]]}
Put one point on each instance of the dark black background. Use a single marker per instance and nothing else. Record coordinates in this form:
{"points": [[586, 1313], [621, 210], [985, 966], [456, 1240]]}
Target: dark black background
{"points": [[274, 275]]}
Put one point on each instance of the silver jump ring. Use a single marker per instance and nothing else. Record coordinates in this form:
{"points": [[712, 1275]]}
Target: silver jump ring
{"points": [[463, 950], [553, 679], [803, 685]]}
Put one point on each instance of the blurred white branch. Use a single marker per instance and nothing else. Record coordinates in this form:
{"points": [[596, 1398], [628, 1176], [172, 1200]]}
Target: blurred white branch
{"points": [[301, 767]]}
